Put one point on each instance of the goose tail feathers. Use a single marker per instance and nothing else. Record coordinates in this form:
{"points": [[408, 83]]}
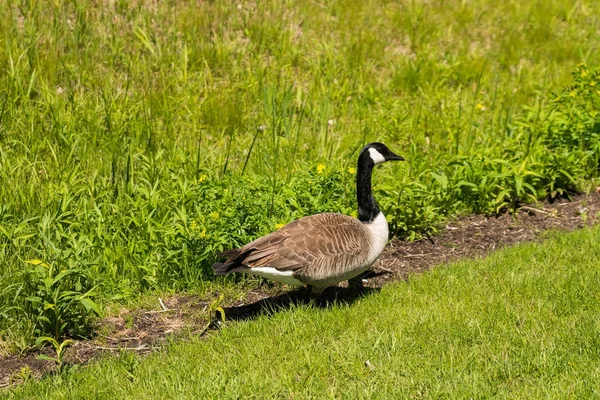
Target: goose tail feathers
{"points": [[233, 263]]}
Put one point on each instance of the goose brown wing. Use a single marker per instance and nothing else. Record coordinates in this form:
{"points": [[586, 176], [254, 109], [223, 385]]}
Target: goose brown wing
{"points": [[322, 241]]}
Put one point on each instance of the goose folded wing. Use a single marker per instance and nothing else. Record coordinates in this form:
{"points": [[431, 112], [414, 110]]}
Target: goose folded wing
{"points": [[307, 242]]}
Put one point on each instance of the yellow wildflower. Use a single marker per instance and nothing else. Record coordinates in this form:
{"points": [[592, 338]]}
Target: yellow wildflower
{"points": [[584, 74], [320, 168], [201, 178], [573, 93], [202, 234], [278, 226], [352, 170], [194, 225], [354, 213], [214, 215], [593, 83], [480, 107]]}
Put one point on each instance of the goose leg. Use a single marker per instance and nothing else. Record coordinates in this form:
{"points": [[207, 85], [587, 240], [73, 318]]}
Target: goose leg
{"points": [[317, 290], [357, 282]]}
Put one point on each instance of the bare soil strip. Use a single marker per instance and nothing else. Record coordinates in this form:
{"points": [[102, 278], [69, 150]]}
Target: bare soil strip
{"points": [[467, 237]]}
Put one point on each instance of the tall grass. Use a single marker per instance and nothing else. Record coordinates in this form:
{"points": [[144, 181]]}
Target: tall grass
{"points": [[138, 139]]}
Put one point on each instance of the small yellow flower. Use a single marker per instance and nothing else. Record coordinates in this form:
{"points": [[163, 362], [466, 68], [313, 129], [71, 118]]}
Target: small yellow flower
{"points": [[573, 93], [320, 168], [194, 225], [480, 107], [201, 178], [352, 170], [214, 215], [584, 74], [593, 83], [278, 226], [202, 234], [354, 213]]}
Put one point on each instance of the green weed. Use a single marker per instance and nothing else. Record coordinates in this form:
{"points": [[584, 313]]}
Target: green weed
{"points": [[60, 301], [60, 349]]}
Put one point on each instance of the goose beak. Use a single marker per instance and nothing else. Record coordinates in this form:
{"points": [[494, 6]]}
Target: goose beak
{"points": [[393, 157]]}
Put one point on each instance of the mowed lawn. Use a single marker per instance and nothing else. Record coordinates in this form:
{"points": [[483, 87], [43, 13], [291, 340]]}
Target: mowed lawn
{"points": [[522, 323]]}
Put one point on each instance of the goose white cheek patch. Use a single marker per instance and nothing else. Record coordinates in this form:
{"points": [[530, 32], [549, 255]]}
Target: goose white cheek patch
{"points": [[376, 156]]}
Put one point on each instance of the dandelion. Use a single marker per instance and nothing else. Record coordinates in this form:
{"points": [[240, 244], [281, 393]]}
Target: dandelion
{"points": [[573, 93], [278, 226], [214, 215], [201, 178], [352, 170], [331, 122], [320, 168], [262, 128], [480, 107]]}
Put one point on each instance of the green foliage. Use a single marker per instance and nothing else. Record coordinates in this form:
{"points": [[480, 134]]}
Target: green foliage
{"points": [[60, 349], [575, 122], [60, 301], [129, 360]]}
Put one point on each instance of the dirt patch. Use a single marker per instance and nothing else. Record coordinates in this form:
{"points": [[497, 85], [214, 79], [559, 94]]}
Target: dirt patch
{"points": [[474, 236], [141, 331], [14, 369], [477, 235]]}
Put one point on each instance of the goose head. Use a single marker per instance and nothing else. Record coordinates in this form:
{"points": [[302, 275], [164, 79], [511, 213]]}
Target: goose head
{"points": [[376, 153]]}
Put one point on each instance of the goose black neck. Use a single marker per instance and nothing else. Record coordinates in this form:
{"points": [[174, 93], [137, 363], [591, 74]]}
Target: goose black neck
{"points": [[367, 206]]}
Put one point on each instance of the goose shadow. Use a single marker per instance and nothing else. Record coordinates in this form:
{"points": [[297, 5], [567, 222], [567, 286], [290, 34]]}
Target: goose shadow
{"points": [[270, 305]]}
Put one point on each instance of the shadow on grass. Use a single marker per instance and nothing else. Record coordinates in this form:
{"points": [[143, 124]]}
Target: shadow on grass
{"points": [[271, 305]]}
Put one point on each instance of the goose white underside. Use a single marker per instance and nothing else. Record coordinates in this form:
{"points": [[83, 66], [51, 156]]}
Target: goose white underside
{"points": [[379, 231], [275, 275]]}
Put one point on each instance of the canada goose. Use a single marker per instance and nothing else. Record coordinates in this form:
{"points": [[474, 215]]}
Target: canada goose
{"points": [[323, 249]]}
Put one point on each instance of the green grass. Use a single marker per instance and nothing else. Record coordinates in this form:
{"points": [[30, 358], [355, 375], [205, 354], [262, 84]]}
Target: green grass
{"points": [[139, 139], [522, 323]]}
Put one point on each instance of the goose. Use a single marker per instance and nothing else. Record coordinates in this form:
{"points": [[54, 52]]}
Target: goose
{"points": [[320, 250]]}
